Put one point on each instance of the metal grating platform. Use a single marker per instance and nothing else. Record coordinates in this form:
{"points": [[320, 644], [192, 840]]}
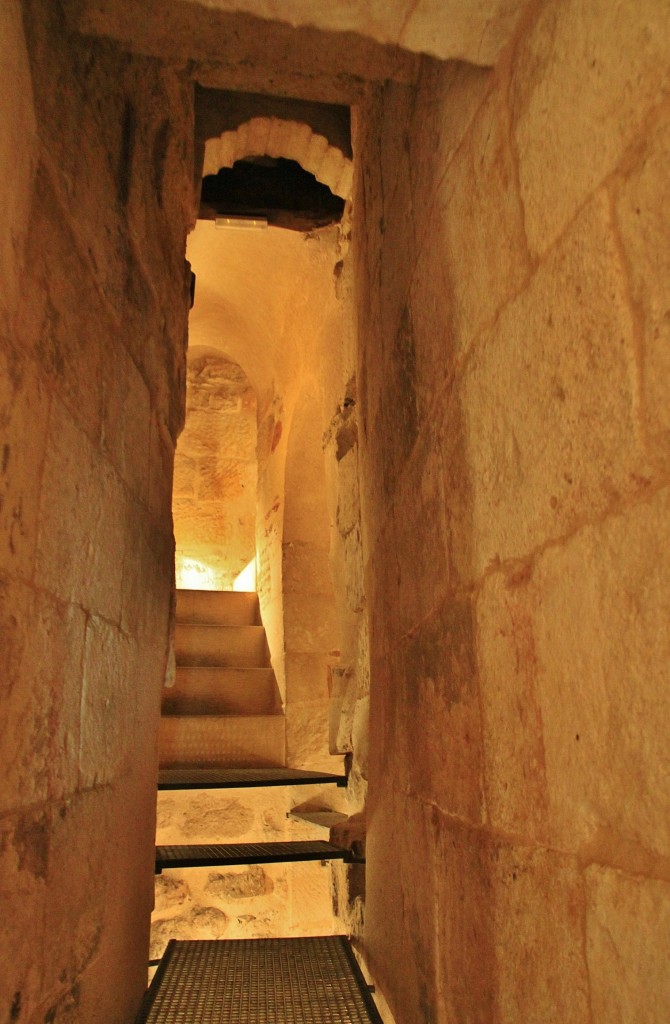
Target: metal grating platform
{"points": [[239, 778], [245, 853], [259, 981]]}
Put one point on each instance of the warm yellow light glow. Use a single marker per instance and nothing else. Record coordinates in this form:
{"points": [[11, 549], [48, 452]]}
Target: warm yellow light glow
{"points": [[247, 578], [193, 575]]}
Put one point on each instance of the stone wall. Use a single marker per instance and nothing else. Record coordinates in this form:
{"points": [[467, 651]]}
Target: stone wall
{"points": [[96, 203], [311, 626], [215, 474], [514, 380], [258, 901]]}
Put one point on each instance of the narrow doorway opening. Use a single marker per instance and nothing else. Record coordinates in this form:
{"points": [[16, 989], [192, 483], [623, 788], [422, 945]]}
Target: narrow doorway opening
{"points": [[258, 476]]}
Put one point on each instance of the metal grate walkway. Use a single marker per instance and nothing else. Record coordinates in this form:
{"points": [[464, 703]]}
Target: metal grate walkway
{"points": [[239, 778], [214, 855], [259, 981]]}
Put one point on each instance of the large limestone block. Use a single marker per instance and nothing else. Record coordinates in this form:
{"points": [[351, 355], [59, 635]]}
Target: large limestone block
{"points": [[604, 692], [309, 904], [148, 571], [209, 816], [431, 303], [341, 710], [585, 77], [348, 512], [550, 403], [110, 723], [627, 937], [126, 421], [398, 254], [311, 623], [305, 569], [478, 224], [575, 683], [161, 465], [22, 956], [474, 32], [435, 710], [401, 907], [360, 737], [78, 911], [40, 695], [643, 212], [24, 865], [307, 676], [307, 736], [65, 319], [24, 411], [514, 769], [420, 539], [17, 153], [448, 96], [538, 937], [239, 885], [82, 520]]}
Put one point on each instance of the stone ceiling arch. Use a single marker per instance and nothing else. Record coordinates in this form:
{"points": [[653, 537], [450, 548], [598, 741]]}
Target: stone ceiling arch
{"points": [[292, 140]]}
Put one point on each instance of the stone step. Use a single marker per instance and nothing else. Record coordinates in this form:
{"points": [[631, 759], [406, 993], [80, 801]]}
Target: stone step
{"points": [[221, 646], [323, 819], [219, 607], [218, 741], [204, 690]]}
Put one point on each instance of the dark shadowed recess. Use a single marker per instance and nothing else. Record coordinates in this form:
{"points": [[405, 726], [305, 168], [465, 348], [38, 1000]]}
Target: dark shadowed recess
{"points": [[278, 189]]}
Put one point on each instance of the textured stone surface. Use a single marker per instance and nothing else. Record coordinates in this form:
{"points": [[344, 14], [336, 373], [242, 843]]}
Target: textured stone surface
{"points": [[455, 29], [602, 681], [588, 74], [627, 932], [514, 497], [539, 906], [478, 221], [90, 398], [170, 892], [551, 431], [513, 446], [215, 475], [515, 772], [17, 153], [642, 212], [258, 901], [239, 885], [24, 404]]}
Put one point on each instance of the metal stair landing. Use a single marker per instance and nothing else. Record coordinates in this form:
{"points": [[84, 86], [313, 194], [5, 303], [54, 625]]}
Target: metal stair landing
{"points": [[314, 980], [220, 854], [241, 778]]}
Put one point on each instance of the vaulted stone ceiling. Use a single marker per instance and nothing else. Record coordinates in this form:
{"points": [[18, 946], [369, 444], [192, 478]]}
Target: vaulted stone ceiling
{"points": [[262, 298]]}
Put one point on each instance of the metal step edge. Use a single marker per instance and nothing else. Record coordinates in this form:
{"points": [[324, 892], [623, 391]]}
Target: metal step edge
{"points": [[244, 778]]}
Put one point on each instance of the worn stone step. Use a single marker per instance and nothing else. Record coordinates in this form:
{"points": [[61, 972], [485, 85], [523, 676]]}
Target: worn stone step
{"points": [[217, 741], [203, 690], [219, 607], [324, 819], [221, 646]]}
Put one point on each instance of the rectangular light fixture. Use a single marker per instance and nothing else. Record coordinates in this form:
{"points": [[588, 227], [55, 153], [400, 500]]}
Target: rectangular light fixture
{"points": [[240, 222]]}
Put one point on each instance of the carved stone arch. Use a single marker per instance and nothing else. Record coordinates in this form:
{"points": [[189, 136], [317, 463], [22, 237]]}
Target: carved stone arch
{"points": [[292, 140]]}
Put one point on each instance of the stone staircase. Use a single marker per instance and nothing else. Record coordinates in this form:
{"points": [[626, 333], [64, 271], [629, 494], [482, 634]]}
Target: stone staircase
{"points": [[222, 727], [225, 709]]}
